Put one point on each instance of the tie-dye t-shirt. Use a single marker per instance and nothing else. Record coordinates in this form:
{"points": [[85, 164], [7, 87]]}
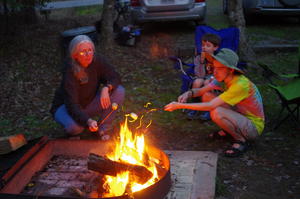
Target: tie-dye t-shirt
{"points": [[244, 96]]}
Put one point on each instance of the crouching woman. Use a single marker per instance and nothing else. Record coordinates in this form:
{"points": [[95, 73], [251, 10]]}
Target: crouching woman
{"points": [[88, 88]]}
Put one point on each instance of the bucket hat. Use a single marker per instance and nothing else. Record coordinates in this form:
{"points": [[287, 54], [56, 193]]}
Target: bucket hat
{"points": [[228, 58]]}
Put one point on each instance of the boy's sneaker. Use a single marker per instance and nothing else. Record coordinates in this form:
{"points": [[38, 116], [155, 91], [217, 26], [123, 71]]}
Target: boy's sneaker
{"points": [[193, 115], [196, 115], [205, 116]]}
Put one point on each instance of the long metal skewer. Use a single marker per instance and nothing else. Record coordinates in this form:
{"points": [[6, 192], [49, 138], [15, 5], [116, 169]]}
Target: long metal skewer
{"points": [[114, 107]]}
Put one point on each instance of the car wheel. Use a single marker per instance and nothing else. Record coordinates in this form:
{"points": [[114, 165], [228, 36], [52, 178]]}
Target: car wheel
{"points": [[225, 7]]}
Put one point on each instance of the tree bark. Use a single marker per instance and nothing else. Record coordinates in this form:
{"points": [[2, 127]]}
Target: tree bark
{"points": [[236, 19], [28, 12], [107, 21], [106, 166]]}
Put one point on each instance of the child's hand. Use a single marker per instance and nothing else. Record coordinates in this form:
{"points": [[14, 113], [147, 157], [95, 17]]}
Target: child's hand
{"points": [[184, 97], [172, 106]]}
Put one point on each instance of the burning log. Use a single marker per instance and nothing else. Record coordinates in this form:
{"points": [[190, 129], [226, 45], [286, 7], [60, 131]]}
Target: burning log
{"points": [[106, 166]]}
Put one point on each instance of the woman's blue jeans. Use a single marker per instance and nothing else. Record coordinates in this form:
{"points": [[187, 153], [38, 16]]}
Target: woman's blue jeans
{"points": [[93, 109]]}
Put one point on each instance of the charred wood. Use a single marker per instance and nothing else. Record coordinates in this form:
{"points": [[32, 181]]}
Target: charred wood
{"points": [[106, 166]]}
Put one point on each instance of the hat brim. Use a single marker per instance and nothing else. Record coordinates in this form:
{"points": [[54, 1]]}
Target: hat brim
{"points": [[222, 61]]}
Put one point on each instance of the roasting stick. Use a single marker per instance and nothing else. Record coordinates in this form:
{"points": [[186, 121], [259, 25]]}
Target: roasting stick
{"points": [[114, 106]]}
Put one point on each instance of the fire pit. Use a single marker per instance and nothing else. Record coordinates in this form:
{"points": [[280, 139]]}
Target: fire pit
{"points": [[60, 169]]}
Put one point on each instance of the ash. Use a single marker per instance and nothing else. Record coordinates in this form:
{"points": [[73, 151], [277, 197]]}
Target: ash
{"points": [[65, 176]]}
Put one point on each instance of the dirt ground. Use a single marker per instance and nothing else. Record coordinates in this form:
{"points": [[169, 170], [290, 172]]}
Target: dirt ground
{"points": [[30, 72]]}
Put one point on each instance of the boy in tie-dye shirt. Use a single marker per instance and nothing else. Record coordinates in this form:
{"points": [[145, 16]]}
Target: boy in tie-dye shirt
{"points": [[238, 111]]}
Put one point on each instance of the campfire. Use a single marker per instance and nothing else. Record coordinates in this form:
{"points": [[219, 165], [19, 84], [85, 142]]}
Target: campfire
{"points": [[64, 168], [128, 168]]}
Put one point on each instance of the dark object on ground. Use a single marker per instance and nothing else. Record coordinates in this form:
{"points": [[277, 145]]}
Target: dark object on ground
{"points": [[124, 36], [109, 167], [128, 35]]}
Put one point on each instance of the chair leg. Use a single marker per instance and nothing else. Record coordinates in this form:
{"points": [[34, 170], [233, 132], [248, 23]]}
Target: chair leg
{"points": [[291, 113], [295, 118], [278, 119]]}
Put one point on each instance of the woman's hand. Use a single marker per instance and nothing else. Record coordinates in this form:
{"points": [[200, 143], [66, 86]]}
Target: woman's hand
{"points": [[184, 97], [105, 99], [172, 106], [93, 126]]}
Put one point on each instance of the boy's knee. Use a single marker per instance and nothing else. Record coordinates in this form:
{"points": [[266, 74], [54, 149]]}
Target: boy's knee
{"points": [[216, 113]]}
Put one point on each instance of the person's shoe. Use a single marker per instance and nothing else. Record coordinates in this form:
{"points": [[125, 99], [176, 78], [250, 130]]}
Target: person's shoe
{"points": [[205, 116], [192, 115], [237, 149], [198, 115]]}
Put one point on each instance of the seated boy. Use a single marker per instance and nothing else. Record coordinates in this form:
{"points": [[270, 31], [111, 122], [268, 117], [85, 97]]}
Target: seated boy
{"points": [[203, 68]]}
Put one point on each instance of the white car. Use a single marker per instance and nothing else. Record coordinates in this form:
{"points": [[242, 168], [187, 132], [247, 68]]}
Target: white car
{"points": [[167, 10]]}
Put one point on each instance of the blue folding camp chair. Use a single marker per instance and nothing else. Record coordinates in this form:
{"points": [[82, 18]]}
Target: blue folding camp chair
{"points": [[229, 39]]}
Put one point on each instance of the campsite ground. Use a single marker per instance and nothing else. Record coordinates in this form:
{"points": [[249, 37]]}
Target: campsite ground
{"points": [[30, 72]]}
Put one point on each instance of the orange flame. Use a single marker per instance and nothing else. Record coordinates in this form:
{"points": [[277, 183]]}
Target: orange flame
{"points": [[130, 149]]}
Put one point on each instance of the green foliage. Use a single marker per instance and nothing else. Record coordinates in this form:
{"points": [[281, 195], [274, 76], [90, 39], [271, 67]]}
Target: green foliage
{"points": [[30, 126], [88, 10], [6, 127]]}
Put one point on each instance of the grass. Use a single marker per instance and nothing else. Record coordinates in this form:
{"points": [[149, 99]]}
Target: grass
{"points": [[220, 187], [88, 10]]}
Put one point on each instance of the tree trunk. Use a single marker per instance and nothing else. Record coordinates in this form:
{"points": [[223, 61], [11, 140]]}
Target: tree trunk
{"points": [[28, 11], [107, 20], [236, 18], [5, 24]]}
